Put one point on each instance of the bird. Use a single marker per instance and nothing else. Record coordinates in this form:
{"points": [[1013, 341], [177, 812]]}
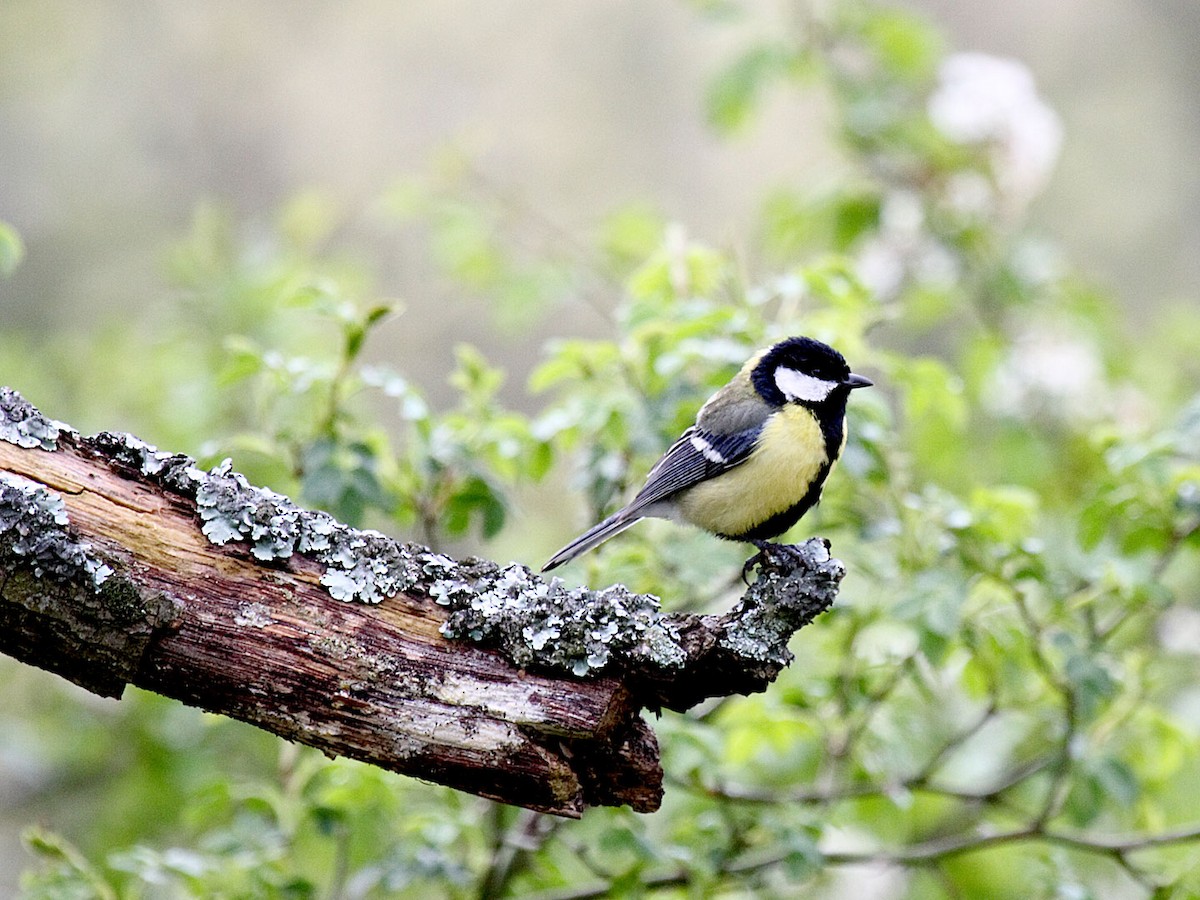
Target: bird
{"points": [[757, 457]]}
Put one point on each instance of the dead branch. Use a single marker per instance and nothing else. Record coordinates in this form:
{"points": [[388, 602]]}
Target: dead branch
{"points": [[123, 565]]}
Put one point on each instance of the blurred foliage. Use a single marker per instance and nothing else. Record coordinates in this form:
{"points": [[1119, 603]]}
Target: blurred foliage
{"points": [[1003, 703], [11, 249]]}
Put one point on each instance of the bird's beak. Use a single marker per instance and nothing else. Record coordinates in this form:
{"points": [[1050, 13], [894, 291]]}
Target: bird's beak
{"points": [[857, 381]]}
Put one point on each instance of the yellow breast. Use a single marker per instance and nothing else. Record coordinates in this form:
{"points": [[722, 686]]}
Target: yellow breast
{"points": [[790, 454]]}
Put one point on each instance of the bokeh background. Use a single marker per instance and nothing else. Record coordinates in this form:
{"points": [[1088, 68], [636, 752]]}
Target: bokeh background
{"points": [[118, 122]]}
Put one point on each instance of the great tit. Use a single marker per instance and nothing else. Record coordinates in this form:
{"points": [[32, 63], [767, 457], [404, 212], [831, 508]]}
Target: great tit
{"points": [[758, 455]]}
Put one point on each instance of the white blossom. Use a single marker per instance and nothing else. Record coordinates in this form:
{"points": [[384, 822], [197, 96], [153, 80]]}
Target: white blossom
{"points": [[982, 99], [903, 247], [1049, 370]]}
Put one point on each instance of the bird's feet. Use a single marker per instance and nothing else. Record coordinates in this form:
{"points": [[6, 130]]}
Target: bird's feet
{"points": [[771, 553], [763, 555]]}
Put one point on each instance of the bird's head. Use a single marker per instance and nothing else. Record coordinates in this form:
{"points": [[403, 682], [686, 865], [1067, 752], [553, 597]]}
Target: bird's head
{"points": [[803, 370]]}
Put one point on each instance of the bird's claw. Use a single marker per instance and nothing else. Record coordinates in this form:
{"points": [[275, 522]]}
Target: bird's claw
{"points": [[750, 564], [763, 555], [782, 553]]}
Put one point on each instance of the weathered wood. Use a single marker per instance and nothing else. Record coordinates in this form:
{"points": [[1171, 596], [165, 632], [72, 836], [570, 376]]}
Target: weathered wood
{"points": [[270, 646], [112, 572]]}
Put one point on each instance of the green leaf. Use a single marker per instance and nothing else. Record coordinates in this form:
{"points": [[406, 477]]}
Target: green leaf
{"points": [[1085, 801], [1118, 781], [494, 515], [342, 479], [934, 393], [68, 874], [734, 94], [631, 234], [243, 359], [474, 498], [906, 44], [1094, 685], [464, 243], [854, 215], [12, 250], [477, 380], [1004, 513], [358, 329], [1095, 519], [803, 859], [679, 271], [307, 219]]}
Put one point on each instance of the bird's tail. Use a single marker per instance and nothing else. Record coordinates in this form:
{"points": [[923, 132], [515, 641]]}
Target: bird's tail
{"points": [[593, 537]]}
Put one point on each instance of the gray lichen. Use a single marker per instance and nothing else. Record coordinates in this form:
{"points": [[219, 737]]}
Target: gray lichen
{"points": [[34, 529], [253, 615], [795, 584], [549, 625], [360, 565], [234, 510], [64, 609], [363, 566], [682, 659], [171, 470], [22, 424]]}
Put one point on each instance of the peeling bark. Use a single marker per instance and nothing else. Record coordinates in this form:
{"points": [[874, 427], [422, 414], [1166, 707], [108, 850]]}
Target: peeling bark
{"points": [[122, 565]]}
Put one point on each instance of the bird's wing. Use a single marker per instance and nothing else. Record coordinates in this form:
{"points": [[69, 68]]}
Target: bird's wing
{"points": [[725, 434], [733, 409], [697, 456]]}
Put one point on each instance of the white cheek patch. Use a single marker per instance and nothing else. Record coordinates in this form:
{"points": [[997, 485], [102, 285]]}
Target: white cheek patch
{"points": [[798, 386]]}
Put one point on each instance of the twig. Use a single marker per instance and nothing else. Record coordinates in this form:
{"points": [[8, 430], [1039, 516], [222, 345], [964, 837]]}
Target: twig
{"points": [[512, 849], [928, 853]]}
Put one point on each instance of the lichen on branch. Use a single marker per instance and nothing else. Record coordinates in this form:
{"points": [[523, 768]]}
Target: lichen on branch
{"points": [[547, 625], [22, 424], [122, 564], [34, 531], [536, 624]]}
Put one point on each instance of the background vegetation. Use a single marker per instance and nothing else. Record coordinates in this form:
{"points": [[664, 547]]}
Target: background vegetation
{"points": [[1002, 704]]}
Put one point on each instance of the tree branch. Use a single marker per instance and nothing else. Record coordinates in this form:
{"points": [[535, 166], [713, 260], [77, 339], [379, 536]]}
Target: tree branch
{"points": [[123, 565], [927, 853]]}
